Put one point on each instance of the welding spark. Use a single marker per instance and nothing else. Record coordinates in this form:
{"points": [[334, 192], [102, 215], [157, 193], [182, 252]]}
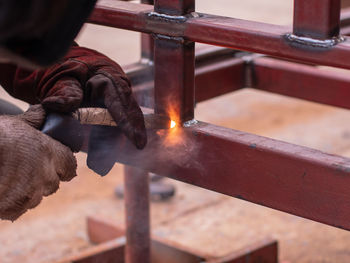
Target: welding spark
{"points": [[172, 124]]}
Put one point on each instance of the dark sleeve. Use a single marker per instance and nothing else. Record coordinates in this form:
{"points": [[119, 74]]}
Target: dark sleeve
{"points": [[19, 83]]}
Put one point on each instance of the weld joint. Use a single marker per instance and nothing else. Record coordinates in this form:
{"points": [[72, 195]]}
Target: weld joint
{"points": [[313, 42], [167, 18], [189, 123], [165, 37]]}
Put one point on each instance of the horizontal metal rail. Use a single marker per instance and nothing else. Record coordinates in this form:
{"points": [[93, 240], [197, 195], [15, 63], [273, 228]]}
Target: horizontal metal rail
{"points": [[222, 31], [301, 81], [279, 175]]}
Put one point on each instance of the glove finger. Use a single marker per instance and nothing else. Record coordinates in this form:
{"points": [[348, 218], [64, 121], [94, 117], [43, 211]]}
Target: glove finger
{"points": [[16, 204], [34, 116], [35, 200], [50, 182], [65, 96], [134, 125], [64, 160], [102, 145], [125, 107]]}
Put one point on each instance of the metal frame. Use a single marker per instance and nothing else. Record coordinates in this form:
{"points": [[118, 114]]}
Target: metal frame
{"points": [[283, 176]]}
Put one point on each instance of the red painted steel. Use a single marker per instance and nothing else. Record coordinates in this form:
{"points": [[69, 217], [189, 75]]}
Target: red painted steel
{"points": [[316, 18], [137, 217], [176, 8], [222, 31], [147, 43], [345, 21], [211, 80], [265, 251], [283, 176], [174, 79], [219, 78], [302, 81], [174, 68]]}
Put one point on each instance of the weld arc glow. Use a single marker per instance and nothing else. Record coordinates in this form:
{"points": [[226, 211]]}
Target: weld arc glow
{"points": [[172, 124]]}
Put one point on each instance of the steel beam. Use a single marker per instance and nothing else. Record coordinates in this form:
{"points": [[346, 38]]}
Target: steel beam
{"points": [[137, 216], [174, 67], [174, 8], [147, 43], [222, 31], [316, 18], [301, 81], [283, 176]]}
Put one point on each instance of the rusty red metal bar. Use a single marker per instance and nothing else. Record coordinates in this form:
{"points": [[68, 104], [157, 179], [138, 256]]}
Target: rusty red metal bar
{"points": [[174, 67], [211, 80], [316, 18], [147, 43], [283, 176], [222, 31], [265, 251], [136, 196], [175, 8], [105, 234], [301, 81]]}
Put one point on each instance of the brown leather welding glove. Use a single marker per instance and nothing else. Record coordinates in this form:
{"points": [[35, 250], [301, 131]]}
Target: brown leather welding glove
{"points": [[86, 77], [32, 164], [83, 78]]}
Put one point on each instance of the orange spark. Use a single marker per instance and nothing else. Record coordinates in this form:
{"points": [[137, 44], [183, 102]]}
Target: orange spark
{"points": [[172, 124]]}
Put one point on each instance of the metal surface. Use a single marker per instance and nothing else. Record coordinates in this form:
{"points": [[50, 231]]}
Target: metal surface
{"points": [[217, 72], [265, 251], [174, 67], [301, 81], [283, 176], [286, 177], [147, 43], [108, 252], [137, 217], [316, 18], [222, 31], [102, 231], [162, 250]]}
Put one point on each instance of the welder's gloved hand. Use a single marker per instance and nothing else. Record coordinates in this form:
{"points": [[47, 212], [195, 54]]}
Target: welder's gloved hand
{"points": [[86, 77], [32, 164], [83, 78]]}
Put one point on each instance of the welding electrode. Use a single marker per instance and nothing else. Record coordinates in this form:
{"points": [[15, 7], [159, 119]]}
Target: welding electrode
{"points": [[100, 116], [68, 128]]}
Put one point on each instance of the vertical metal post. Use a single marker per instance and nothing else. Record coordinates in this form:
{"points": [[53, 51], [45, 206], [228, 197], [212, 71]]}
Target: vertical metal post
{"points": [[147, 42], [174, 66], [317, 18], [136, 196]]}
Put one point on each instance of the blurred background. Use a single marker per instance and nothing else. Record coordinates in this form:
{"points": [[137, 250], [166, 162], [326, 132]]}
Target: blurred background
{"points": [[222, 224]]}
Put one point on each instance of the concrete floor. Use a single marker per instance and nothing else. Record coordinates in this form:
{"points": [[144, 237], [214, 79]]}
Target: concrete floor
{"points": [[197, 218]]}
